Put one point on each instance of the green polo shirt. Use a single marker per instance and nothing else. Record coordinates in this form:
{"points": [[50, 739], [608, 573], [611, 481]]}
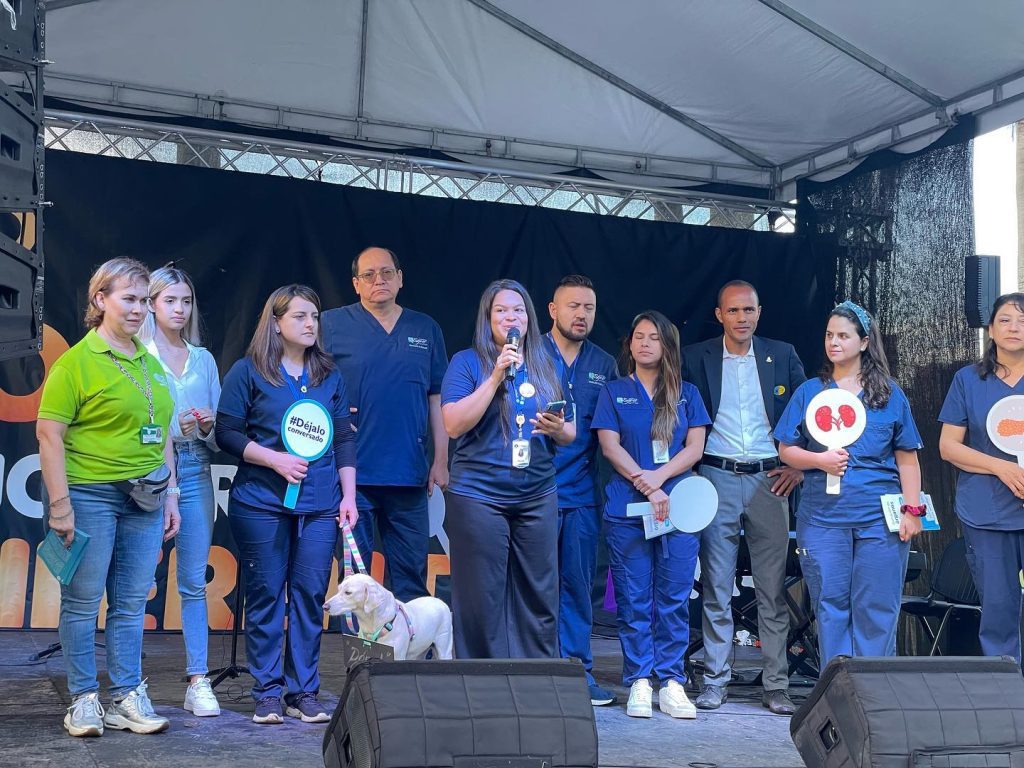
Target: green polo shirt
{"points": [[105, 411]]}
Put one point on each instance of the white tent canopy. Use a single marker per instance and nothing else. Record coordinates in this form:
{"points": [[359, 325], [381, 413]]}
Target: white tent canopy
{"points": [[659, 92]]}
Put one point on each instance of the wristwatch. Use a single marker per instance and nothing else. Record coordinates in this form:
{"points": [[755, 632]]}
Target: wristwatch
{"points": [[174, 491], [909, 509]]}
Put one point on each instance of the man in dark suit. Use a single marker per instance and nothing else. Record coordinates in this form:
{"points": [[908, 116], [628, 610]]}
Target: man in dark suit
{"points": [[746, 382]]}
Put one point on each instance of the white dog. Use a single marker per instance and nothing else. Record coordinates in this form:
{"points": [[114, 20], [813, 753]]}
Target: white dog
{"points": [[416, 626]]}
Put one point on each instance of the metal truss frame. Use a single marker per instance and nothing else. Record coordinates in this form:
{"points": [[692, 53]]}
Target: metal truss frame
{"points": [[156, 142]]}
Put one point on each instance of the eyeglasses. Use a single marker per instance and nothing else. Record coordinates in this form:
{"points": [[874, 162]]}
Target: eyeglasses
{"points": [[370, 277]]}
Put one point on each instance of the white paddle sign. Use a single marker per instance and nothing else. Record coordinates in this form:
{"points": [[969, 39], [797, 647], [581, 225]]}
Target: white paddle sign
{"points": [[692, 505], [1005, 426], [307, 431], [835, 418]]}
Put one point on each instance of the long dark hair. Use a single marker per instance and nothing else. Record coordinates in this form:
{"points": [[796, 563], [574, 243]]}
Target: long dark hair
{"points": [[989, 363], [669, 385], [538, 363], [874, 366], [266, 346]]}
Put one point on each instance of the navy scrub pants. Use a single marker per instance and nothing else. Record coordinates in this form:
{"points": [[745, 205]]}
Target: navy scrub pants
{"points": [[402, 518], [578, 531], [504, 580], [995, 559], [283, 553]]}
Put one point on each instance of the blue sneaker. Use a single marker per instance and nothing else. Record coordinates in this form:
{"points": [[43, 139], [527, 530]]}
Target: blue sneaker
{"points": [[599, 697]]}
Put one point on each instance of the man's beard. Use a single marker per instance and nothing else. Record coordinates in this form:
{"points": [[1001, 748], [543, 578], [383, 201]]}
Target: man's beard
{"points": [[570, 334]]}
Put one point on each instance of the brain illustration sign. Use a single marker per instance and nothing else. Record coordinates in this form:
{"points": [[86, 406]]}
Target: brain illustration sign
{"points": [[1005, 425], [836, 419]]}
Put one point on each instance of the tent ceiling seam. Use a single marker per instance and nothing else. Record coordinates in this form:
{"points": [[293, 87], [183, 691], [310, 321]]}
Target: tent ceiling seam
{"points": [[613, 79], [364, 25], [855, 53]]}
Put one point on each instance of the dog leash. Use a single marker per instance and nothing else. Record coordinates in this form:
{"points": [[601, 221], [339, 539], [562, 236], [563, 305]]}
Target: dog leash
{"points": [[351, 553]]}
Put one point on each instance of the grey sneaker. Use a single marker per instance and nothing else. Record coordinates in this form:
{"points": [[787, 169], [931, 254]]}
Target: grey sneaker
{"points": [[200, 699], [135, 713], [307, 709], [85, 716], [268, 711]]}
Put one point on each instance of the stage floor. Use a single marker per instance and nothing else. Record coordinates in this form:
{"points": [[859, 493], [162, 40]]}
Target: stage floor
{"points": [[34, 696]]}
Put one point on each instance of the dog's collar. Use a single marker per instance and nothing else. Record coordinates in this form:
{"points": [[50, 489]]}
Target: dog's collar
{"points": [[389, 625]]}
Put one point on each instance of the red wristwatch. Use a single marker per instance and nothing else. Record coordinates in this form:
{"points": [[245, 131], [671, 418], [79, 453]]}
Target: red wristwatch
{"points": [[909, 509]]}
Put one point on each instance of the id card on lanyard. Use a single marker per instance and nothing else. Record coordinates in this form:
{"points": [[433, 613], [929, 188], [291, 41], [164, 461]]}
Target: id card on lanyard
{"points": [[151, 433], [659, 448], [520, 446]]}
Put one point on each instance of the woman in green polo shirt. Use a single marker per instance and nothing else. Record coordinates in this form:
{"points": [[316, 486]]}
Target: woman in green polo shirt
{"points": [[103, 420]]}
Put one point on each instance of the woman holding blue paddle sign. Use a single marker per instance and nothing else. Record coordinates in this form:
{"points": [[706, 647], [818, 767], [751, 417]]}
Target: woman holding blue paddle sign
{"points": [[283, 412]]}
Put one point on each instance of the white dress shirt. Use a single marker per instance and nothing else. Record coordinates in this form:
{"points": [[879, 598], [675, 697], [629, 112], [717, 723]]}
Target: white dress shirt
{"points": [[197, 387], [741, 430]]}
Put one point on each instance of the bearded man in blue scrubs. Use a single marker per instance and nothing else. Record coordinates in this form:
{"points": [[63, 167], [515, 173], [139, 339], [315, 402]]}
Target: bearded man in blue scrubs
{"points": [[393, 360], [584, 369]]}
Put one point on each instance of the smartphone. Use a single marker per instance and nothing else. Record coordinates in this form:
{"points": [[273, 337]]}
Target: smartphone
{"points": [[555, 406]]}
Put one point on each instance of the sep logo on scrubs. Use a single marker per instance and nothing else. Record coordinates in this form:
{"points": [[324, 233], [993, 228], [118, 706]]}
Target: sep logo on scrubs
{"points": [[597, 378], [417, 343], [627, 401]]}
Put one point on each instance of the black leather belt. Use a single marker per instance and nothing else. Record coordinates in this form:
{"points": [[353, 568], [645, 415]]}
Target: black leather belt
{"points": [[741, 467]]}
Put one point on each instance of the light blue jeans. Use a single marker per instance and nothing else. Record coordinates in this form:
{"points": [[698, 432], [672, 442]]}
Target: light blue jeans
{"points": [[121, 557], [192, 545]]}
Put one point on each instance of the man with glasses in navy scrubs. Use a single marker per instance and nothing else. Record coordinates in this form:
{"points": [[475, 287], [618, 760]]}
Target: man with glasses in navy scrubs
{"points": [[393, 360], [584, 369]]}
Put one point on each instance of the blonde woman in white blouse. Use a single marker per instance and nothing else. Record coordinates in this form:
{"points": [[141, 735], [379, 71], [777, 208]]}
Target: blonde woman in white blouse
{"points": [[171, 333]]}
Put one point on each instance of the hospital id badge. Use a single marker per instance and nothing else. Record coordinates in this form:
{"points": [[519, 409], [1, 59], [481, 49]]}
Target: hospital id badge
{"points": [[660, 450], [151, 434], [520, 453]]}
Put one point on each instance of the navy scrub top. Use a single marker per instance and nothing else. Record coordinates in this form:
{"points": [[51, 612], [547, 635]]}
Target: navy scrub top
{"points": [[624, 407], [982, 501], [389, 377], [481, 466], [247, 395], [582, 383], [871, 470]]}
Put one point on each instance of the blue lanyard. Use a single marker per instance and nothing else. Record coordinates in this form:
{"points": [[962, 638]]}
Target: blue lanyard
{"points": [[297, 392], [566, 373]]}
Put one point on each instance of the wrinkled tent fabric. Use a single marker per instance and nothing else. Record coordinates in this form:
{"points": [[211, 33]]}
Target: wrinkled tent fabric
{"points": [[663, 92]]}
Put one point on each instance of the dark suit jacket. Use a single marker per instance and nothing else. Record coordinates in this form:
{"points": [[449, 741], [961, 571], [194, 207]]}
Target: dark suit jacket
{"points": [[778, 368]]}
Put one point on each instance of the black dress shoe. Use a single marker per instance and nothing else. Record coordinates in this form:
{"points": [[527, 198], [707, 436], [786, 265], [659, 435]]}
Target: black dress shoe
{"points": [[712, 697], [778, 702]]}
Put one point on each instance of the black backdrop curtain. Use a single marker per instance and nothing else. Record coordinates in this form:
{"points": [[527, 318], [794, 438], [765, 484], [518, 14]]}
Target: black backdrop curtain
{"points": [[240, 236]]}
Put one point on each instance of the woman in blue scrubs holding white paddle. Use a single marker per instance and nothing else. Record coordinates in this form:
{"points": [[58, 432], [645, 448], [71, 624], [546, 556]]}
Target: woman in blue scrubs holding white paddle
{"points": [[283, 413], [991, 482], [651, 427], [853, 564]]}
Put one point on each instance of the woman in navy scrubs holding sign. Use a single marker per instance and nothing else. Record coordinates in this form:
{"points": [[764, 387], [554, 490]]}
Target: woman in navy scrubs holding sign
{"points": [[502, 509], [853, 564], [285, 510], [991, 484], [651, 427]]}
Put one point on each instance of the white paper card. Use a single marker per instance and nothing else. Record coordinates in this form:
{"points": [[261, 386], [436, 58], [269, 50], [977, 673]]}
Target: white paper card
{"points": [[891, 503]]}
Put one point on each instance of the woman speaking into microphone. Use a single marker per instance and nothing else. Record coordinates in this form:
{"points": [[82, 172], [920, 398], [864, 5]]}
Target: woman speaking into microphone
{"points": [[502, 403], [283, 507]]}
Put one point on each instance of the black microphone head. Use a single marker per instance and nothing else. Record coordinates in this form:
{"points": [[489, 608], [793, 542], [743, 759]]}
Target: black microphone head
{"points": [[513, 337]]}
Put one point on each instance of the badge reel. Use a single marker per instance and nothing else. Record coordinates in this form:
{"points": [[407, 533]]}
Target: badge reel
{"points": [[520, 447]]}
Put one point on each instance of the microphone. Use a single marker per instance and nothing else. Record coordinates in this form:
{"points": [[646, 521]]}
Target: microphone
{"points": [[513, 338]]}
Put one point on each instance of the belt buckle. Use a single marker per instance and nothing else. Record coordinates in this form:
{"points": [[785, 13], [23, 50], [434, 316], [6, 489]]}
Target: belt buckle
{"points": [[739, 468]]}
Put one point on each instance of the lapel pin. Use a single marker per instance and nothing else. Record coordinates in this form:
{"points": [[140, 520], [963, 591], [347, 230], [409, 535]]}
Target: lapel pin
{"points": [[768, 359]]}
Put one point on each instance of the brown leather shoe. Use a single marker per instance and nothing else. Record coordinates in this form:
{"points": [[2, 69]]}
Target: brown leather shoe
{"points": [[778, 702]]}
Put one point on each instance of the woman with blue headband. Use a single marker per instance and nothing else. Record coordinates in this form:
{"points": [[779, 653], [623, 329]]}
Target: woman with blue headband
{"points": [[990, 486], [853, 564]]}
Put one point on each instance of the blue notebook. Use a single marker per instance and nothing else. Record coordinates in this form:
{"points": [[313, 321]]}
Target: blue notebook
{"points": [[60, 560]]}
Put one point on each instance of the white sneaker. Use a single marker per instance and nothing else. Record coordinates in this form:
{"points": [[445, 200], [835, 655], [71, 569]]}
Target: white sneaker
{"points": [[135, 713], [639, 704], [672, 700], [85, 716], [200, 699]]}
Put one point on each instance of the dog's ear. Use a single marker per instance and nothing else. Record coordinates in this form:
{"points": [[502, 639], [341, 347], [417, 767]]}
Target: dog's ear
{"points": [[376, 596]]}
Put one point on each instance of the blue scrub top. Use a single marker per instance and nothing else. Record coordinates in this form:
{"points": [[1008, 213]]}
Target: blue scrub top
{"points": [[624, 407], [582, 383], [247, 395], [982, 501], [481, 466], [389, 377], [871, 470]]}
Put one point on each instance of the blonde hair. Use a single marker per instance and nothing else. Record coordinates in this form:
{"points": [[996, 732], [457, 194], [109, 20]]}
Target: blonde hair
{"points": [[159, 281], [105, 278]]}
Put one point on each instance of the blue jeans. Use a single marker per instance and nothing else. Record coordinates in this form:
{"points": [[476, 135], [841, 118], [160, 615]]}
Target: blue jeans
{"points": [[192, 545], [121, 557]]}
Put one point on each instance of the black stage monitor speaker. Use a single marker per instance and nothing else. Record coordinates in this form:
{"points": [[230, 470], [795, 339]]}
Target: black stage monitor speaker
{"points": [[21, 33], [981, 288], [463, 714], [21, 289], [913, 712]]}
